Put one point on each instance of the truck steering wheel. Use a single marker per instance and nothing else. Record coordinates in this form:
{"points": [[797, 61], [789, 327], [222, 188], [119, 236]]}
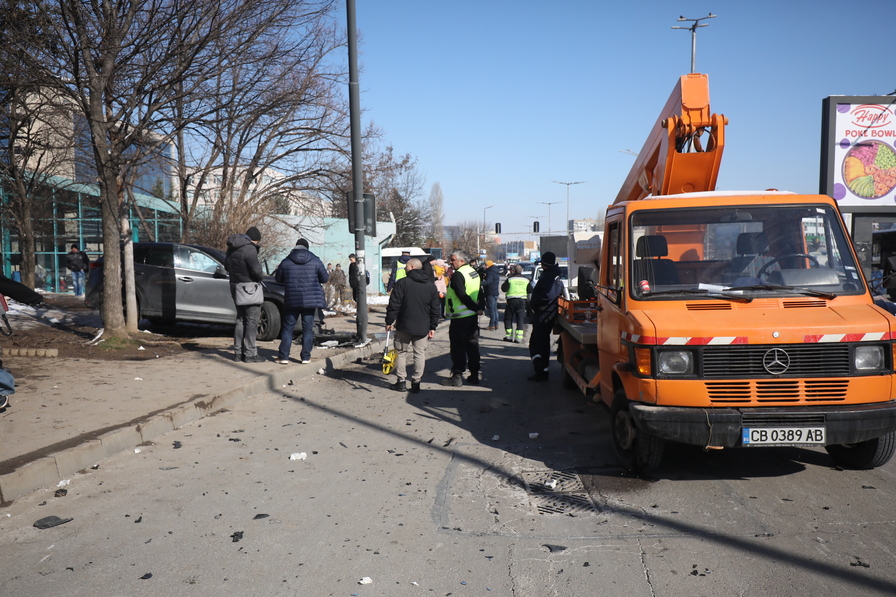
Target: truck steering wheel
{"points": [[762, 270]]}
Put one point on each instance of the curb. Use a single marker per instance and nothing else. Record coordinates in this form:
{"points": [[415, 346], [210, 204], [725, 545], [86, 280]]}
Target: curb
{"points": [[31, 352], [51, 469]]}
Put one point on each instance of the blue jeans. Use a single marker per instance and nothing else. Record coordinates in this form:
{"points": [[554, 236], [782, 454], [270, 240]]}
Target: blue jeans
{"points": [[289, 322], [491, 309], [78, 283]]}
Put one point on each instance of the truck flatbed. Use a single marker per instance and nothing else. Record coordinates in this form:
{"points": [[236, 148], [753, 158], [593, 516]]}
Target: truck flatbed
{"points": [[579, 318]]}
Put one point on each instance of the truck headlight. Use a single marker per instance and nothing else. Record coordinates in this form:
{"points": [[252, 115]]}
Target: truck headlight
{"points": [[869, 358], [675, 362]]}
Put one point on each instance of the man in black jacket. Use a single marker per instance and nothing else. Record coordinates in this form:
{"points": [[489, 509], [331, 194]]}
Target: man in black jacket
{"points": [[78, 263], [544, 308], [243, 266], [413, 312]]}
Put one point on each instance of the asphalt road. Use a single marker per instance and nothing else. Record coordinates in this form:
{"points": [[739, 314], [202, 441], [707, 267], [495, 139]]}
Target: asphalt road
{"points": [[447, 492]]}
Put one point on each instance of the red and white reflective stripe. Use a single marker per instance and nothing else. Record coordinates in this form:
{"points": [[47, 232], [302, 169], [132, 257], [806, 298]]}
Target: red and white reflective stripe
{"points": [[726, 340], [814, 338], [684, 340]]}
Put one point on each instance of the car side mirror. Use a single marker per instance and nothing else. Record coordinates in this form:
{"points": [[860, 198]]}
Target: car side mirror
{"points": [[220, 272]]}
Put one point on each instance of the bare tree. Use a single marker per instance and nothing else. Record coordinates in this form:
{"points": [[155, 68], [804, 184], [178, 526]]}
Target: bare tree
{"points": [[35, 130], [123, 65], [435, 216], [268, 125], [465, 235]]}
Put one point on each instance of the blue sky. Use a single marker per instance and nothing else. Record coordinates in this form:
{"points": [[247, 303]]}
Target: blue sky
{"points": [[497, 99]]}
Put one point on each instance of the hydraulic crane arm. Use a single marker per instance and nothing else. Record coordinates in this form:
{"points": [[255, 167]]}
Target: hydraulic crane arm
{"points": [[673, 159]]}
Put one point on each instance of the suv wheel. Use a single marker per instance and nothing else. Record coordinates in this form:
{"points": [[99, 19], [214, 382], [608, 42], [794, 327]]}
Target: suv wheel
{"points": [[269, 321]]}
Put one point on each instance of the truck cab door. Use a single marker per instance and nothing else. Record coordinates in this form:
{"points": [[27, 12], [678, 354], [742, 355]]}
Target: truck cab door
{"points": [[610, 299]]}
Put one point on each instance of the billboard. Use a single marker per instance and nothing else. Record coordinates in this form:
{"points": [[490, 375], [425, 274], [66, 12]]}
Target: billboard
{"points": [[858, 161]]}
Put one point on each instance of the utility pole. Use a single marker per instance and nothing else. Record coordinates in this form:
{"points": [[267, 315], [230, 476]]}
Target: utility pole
{"points": [[354, 99], [549, 204], [693, 30], [568, 184], [478, 249]]}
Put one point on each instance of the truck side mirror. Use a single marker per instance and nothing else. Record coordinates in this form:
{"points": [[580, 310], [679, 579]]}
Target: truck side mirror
{"points": [[889, 280]]}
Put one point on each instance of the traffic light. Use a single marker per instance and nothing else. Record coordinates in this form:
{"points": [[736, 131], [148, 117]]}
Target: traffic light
{"points": [[498, 228], [535, 226]]}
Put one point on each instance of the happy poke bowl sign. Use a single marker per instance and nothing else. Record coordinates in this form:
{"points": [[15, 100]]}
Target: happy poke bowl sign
{"points": [[860, 161]]}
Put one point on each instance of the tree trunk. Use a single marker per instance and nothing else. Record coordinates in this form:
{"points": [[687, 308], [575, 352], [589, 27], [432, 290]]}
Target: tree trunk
{"points": [[132, 309], [26, 245], [112, 312]]}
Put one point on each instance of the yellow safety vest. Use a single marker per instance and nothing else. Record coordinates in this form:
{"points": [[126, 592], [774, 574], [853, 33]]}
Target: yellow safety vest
{"points": [[401, 271], [454, 308], [516, 287]]}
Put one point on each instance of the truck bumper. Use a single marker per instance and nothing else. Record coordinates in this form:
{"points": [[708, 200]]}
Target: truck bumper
{"points": [[721, 427]]}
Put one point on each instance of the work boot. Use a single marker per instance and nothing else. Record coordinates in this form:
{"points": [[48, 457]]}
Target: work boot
{"points": [[238, 357], [508, 335], [415, 387], [518, 338], [540, 376], [474, 378], [456, 380], [399, 386]]}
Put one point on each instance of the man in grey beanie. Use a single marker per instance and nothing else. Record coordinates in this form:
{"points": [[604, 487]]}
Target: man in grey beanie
{"points": [[243, 266]]}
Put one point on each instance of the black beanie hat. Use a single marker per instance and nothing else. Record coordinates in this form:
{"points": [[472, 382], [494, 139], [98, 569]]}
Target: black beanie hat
{"points": [[549, 259], [302, 243], [253, 234]]}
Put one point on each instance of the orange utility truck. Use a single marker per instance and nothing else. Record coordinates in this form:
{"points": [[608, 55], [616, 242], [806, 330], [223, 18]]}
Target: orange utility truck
{"points": [[727, 319]]}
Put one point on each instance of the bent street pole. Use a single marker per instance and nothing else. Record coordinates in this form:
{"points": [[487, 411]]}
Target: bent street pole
{"points": [[354, 98]]}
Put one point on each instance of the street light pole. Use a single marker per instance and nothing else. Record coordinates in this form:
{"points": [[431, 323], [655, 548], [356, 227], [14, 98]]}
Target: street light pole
{"points": [[693, 30], [568, 184], [549, 211], [483, 228]]}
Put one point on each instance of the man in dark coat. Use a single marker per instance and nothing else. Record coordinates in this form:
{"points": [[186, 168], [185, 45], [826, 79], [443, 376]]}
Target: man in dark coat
{"points": [[301, 274], [77, 262], [491, 286], [243, 266], [544, 307], [415, 306]]}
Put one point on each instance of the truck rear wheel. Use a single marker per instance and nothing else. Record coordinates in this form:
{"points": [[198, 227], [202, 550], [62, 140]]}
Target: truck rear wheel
{"points": [[865, 455], [568, 382], [638, 451]]}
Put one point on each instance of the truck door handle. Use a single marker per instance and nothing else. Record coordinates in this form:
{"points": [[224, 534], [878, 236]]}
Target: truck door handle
{"points": [[185, 278]]}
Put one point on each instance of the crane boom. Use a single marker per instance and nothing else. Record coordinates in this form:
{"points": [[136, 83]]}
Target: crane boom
{"points": [[673, 159]]}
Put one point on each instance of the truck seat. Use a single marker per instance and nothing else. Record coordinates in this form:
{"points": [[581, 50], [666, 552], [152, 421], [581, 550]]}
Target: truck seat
{"points": [[751, 249], [650, 264]]}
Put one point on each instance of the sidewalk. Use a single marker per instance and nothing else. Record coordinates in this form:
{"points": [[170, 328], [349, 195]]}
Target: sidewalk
{"points": [[68, 414]]}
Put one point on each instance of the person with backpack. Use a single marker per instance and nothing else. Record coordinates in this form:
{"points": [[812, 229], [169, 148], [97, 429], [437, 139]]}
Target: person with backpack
{"points": [[543, 304]]}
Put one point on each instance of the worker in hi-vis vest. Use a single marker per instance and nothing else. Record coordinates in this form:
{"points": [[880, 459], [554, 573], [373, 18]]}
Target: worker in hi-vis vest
{"points": [[517, 289], [463, 306], [399, 269]]}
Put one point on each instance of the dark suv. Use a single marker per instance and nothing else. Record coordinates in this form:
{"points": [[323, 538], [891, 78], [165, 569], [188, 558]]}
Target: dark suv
{"points": [[186, 283]]}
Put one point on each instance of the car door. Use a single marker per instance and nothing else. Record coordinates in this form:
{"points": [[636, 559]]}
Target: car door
{"points": [[154, 276], [203, 289]]}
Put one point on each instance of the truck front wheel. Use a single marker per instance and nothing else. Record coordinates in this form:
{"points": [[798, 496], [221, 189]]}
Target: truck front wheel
{"points": [[638, 451], [865, 455]]}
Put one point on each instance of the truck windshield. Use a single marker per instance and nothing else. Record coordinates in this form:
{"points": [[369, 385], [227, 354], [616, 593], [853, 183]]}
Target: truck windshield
{"points": [[754, 250]]}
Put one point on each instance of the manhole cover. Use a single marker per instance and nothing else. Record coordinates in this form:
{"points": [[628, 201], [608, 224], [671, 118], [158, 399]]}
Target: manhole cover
{"points": [[557, 492]]}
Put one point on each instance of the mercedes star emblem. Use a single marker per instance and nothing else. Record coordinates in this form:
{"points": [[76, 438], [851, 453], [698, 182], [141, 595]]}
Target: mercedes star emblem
{"points": [[776, 361]]}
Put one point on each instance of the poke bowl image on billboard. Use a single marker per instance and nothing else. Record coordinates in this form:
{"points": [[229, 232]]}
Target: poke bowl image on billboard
{"points": [[859, 151], [869, 169]]}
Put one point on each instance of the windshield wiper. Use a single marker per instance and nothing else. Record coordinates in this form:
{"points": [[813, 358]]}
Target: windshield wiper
{"points": [[806, 291], [739, 298]]}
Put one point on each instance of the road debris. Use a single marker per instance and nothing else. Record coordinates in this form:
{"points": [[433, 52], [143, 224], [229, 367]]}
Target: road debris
{"points": [[298, 456], [48, 522]]}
